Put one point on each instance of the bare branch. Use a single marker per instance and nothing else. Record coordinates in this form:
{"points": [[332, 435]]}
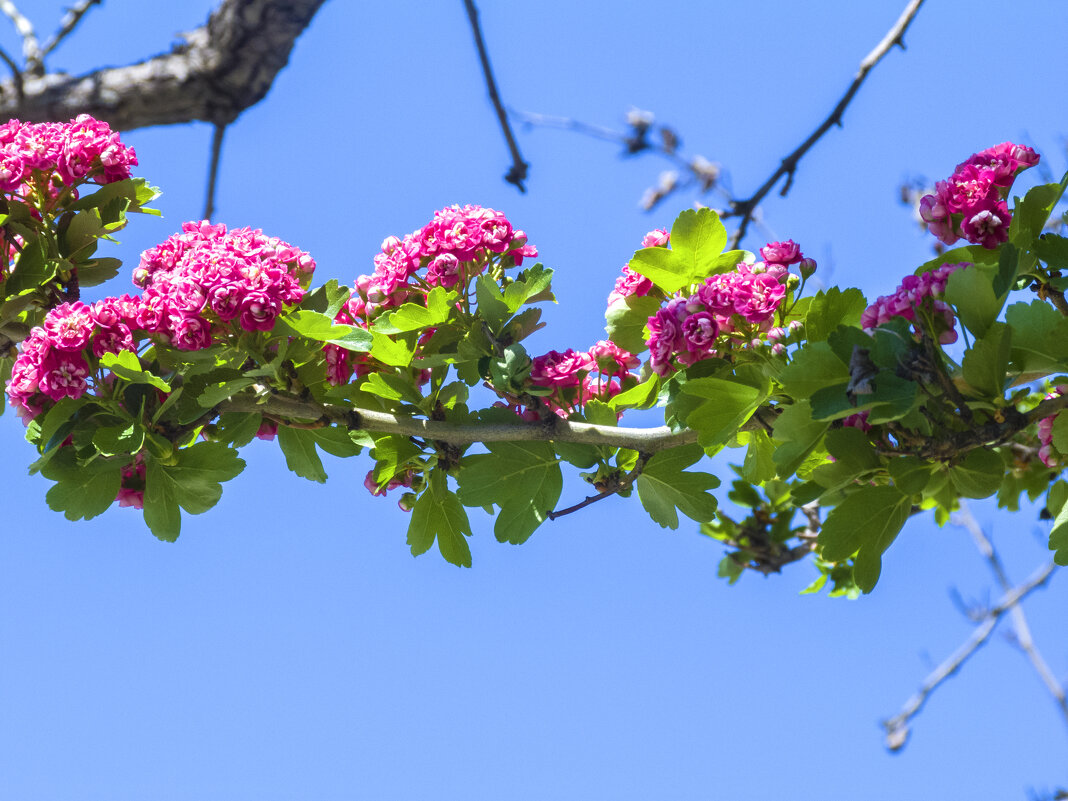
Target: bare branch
{"points": [[67, 24], [897, 727], [213, 169], [16, 75], [895, 36], [614, 487], [220, 69], [517, 173], [31, 50], [1022, 630]]}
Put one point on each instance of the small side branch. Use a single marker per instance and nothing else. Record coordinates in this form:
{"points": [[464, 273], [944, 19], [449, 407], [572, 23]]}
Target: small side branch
{"points": [[897, 727], [68, 24], [31, 50], [1021, 629], [744, 209], [213, 169], [517, 173], [621, 484]]}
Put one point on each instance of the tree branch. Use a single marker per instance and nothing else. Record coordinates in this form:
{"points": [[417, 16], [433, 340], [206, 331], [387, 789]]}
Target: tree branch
{"points": [[645, 440], [220, 69], [213, 169], [615, 487], [517, 173], [31, 50], [1020, 626], [788, 166], [897, 727], [68, 24]]}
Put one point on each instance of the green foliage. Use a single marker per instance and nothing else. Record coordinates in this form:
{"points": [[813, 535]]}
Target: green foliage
{"points": [[664, 486], [190, 479], [865, 524], [438, 514], [522, 478], [627, 321]]}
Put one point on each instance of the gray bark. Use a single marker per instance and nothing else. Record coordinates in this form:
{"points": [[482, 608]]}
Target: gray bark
{"points": [[220, 69]]}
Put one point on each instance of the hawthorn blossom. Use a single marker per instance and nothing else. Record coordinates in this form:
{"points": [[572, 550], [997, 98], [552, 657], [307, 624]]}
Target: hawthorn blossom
{"points": [[918, 292]]}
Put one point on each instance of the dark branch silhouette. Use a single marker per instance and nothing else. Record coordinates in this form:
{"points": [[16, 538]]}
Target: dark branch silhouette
{"points": [[517, 173]]}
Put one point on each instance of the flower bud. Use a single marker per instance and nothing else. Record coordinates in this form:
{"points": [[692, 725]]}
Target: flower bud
{"points": [[407, 501], [806, 267]]}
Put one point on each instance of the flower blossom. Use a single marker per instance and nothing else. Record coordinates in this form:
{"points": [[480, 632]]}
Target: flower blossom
{"points": [[918, 292]]}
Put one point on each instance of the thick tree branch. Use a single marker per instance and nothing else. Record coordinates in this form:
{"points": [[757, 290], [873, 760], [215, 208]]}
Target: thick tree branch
{"points": [[221, 69], [31, 50], [745, 208], [897, 727], [517, 173], [645, 440]]}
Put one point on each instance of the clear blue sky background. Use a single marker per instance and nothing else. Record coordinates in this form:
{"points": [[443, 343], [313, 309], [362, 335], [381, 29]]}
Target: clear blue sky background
{"points": [[289, 647]]}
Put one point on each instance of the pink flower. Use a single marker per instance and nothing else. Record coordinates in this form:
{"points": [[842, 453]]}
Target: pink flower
{"points": [[788, 252], [69, 326], [657, 238], [556, 369], [628, 284]]}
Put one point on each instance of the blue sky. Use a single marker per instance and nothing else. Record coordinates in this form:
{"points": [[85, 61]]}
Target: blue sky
{"points": [[288, 646]]}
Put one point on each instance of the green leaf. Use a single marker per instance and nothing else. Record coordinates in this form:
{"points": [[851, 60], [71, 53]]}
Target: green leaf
{"points": [[627, 320], [1039, 337], [298, 446], [1053, 250], [314, 325], [127, 366], [640, 396], [832, 308], [438, 514], [665, 268], [391, 387], [82, 490], [533, 285], [136, 190], [491, 303], [850, 447], [190, 480], [123, 438], [698, 237], [1060, 433], [970, 290], [1031, 213], [987, 360], [394, 352], [664, 487], [866, 524], [392, 453], [414, 317], [911, 474], [336, 441], [729, 405], [797, 434], [220, 391], [98, 271], [812, 368], [979, 475], [759, 466], [32, 269], [973, 254], [522, 478], [1008, 266]]}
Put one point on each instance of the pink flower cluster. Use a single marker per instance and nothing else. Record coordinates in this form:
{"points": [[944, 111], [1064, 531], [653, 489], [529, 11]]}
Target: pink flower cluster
{"points": [[916, 293], [76, 151], [207, 274], [631, 283], [457, 245], [971, 204], [1045, 433], [54, 362], [575, 378], [728, 308]]}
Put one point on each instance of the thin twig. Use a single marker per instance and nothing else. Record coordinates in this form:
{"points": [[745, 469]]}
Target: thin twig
{"points": [[517, 173], [1022, 630], [31, 50], [67, 24], [213, 169], [897, 727], [788, 166], [620, 485], [702, 172], [16, 74]]}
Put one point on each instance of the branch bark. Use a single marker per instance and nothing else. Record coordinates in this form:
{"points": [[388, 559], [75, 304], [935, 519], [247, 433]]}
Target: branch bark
{"points": [[222, 68]]}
